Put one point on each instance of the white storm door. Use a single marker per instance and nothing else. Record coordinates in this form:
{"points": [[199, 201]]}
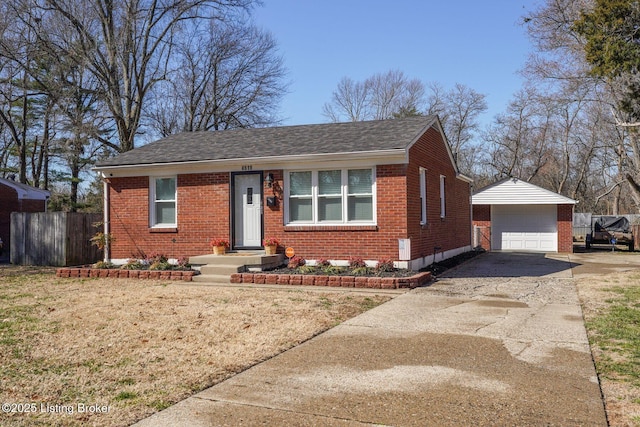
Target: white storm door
{"points": [[248, 210]]}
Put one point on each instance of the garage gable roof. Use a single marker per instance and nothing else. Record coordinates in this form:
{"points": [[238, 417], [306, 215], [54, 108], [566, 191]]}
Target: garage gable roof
{"points": [[513, 191]]}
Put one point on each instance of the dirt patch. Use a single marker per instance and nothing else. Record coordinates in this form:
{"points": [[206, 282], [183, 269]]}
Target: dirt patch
{"points": [[136, 347]]}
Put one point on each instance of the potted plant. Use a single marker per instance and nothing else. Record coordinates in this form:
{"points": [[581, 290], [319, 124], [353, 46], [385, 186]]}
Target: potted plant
{"points": [[219, 246], [270, 245]]}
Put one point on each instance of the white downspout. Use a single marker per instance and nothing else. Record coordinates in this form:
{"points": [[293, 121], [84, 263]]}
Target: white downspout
{"points": [[107, 248], [473, 233]]}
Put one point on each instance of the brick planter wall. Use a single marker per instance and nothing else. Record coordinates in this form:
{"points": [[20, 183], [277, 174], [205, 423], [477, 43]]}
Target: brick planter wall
{"points": [[419, 279], [185, 276]]}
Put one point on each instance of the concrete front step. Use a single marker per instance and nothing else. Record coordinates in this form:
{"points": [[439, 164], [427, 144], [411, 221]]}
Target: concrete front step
{"points": [[248, 261], [212, 278], [221, 269]]}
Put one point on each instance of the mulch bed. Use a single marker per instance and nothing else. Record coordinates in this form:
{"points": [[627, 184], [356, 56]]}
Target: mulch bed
{"points": [[442, 266]]}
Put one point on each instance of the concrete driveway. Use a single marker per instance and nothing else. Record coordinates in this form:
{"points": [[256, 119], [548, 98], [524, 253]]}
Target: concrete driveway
{"points": [[499, 340]]}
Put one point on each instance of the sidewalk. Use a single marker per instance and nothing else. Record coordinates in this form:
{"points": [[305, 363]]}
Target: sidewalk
{"points": [[465, 351]]}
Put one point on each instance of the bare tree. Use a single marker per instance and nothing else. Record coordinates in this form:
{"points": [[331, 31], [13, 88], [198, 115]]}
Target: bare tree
{"points": [[127, 46], [515, 139], [561, 68], [230, 76], [17, 57], [459, 110], [381, 96], [350, 102]]}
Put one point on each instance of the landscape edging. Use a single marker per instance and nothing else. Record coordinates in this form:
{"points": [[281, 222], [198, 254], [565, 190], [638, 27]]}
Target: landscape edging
{"points": [[184, 275], [376, 282]]}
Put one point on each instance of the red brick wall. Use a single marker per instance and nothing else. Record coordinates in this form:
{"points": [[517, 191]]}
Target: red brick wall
{"points": [[482, 220], [9, 203], [454, 230], [341, 242], [203, 213], [565, 228]]}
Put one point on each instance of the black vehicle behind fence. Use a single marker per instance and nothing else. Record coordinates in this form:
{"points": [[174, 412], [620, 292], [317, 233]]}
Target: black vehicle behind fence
{"points": [[611, 230]]}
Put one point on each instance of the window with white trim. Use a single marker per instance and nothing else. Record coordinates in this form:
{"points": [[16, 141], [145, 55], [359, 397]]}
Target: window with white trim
{"points": [[423, 196], [332, 196], [162, 209], [442, 197]]}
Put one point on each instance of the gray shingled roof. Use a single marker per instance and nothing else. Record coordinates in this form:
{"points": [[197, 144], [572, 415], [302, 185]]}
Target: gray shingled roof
{"points": [[331, 138]]}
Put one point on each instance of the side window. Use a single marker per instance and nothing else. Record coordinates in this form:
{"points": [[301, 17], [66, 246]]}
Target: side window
{"points": [[423, 196], [442, 197], [163, 198]]}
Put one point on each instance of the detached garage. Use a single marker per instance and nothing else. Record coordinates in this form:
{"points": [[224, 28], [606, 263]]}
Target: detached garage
{"points": [[514, 215]]}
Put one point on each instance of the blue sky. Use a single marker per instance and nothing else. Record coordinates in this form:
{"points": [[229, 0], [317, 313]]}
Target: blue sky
{"points": [[480, 44]]}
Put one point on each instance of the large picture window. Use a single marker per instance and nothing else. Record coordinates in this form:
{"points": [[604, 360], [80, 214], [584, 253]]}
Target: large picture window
{"points": [[163, 198], [331, 196]]}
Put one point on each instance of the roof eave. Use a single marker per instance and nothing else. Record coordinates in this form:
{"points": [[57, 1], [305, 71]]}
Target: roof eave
{"points": [[390, 156], [537, 202]]}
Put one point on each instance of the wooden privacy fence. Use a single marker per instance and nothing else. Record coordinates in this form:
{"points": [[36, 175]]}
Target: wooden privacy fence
{"points": [[53, 238]]}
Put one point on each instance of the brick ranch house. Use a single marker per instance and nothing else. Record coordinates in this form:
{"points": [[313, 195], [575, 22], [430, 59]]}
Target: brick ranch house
{"points": [[18, 197], [386, 189], [516, 215]]}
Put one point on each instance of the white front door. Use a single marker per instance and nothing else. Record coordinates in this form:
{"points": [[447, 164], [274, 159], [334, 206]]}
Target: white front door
{"points": [[247, 214]]}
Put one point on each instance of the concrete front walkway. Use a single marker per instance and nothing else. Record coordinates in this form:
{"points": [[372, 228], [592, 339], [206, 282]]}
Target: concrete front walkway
{"points": [[482, 346]]}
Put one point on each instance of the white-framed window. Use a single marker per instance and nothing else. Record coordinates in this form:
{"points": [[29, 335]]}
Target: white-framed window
{"points": [[443, 204], [423, 196], [330, 196], [162, 206]]}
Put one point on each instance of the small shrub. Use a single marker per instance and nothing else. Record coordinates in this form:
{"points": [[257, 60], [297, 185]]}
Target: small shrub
{"points": [[133, 264], [296, 262], [385, 265], [157, 257], [333, 269], [307, 269], [103, 265], [160, 266], [183, 263], [356, 262], [322, 262]]}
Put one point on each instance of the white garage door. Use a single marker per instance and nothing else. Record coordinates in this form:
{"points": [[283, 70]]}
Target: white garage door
{"points": [[524, 228]]}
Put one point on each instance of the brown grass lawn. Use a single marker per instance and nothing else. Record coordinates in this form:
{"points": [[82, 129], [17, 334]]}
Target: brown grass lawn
{"points": [[611, 307], [138, 346]]}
